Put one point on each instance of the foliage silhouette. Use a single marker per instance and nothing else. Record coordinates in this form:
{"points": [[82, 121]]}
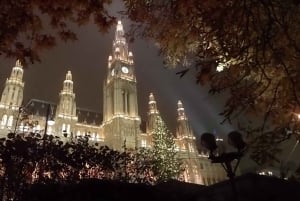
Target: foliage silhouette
{"points": [[29, 159], [28, 27], [247, 49]]}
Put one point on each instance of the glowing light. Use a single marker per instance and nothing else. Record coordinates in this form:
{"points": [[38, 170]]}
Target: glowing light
{"points": [[51, 122], [221, 67]]}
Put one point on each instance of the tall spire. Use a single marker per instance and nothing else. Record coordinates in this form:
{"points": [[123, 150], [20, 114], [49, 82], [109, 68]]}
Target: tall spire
{"points": [[120, 95], [152, 105], [12, 95], [183, 127], [120, 47], [17, 72], [119, 35], [67, 106], [68, 83], [18, 63], [152, 114], [180, 111]]}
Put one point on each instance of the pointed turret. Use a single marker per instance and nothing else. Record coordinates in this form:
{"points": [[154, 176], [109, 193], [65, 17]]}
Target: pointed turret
{"points": [[180, 112], [183, 128], [152, 114], [120, 95], [68, 84], [152, 105], [120, 46], [12, 95], [120, 62], [66, 108]]}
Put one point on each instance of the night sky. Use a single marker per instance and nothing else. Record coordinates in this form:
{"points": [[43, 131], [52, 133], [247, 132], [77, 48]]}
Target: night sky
{"points": [[87, 59]]}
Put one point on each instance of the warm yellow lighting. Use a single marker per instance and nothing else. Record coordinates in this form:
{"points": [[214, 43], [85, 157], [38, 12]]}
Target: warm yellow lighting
{"points": [[221, 67], [51, 122]]}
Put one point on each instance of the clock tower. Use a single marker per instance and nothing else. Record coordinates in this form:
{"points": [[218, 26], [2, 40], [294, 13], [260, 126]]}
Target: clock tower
{"points": [[121, 122]]}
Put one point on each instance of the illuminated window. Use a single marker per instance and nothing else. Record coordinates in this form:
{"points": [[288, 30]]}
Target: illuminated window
{"points": [[187, 174], [21, 126], [183, 148], [63, 128], [10, 121], [93, 136], [125, 97], [144, 143], [4, 120], [68, 128], [98, 137], [195, 172], [191, 148], [78, 133], [49, 130]]}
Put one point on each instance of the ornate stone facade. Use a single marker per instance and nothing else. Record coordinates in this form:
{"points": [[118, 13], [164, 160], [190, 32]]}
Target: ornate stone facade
{"points": [[121, 123]]}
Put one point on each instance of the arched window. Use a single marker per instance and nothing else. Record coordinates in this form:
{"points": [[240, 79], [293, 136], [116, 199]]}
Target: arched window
{"points": [[126, 101], [68, 128], [4, 120], [191, 148], [195, 172], [21, 127], [10, 121], [78, 133], [63, 128], [183, 148], [187, 174], [144, 143], [49, 130]]}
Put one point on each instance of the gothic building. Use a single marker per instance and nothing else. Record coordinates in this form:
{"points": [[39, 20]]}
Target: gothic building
{"points": [[121, 122]]}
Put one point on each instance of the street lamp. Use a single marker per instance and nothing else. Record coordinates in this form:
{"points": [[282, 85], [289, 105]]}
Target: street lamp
{"points": [[235, 139]]}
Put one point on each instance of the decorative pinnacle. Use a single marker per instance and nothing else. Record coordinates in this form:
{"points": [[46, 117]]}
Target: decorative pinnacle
{"points": [[18, 63], [180, 110], [151, 98], [179, 104], [119, 26], [119, 32], [69, 75]]}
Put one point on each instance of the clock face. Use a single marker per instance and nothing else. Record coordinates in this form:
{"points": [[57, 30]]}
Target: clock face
{"points": [[113, 72], [124, 69]]}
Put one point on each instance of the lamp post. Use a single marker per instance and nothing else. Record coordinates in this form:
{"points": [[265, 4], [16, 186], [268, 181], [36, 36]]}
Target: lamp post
{"points": [[208, 141]]}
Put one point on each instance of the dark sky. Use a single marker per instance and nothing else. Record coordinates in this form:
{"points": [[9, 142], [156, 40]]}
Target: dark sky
{"points": [[87, 59]]}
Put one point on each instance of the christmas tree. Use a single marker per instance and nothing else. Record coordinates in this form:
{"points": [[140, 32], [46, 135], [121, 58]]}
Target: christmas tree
{"points": [[166, 163]]}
